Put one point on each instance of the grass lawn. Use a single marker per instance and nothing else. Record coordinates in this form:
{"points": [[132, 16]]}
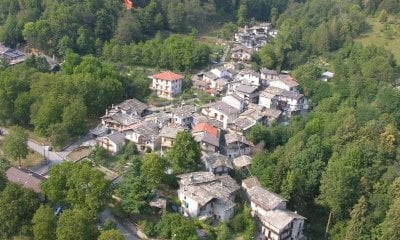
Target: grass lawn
{"points": [[33, 159], [385, 35]]}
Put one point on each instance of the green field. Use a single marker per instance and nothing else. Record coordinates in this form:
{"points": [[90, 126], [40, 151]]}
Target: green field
{"points": [[383, 34]]}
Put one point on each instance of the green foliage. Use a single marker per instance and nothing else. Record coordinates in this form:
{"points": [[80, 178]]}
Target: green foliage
{"points": [[111, 235], [358, 225], [390, 229], [44, 224], [148, 228], [77, 224], [228, 31], [153, 168], [243, 223], [175, 52], [174, 225], [134, 191], [17, 206], [223, 232], [109, 224], [78, 186], [15, 143], [185, 153]]}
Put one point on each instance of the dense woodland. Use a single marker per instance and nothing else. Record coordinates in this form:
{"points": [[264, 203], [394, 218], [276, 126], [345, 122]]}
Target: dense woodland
{"points": [[339, 160]]}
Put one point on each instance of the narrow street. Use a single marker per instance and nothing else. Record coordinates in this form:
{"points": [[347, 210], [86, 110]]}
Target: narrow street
{"points": [[126, 228]]}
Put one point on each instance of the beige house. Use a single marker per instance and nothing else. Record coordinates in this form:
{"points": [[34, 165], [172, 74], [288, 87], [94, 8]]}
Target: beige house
{"points": [[112, 143], [168, 136], [167, 84]]}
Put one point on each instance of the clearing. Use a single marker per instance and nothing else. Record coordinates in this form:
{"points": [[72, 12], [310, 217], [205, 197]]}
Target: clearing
{"points": [[383, 34]]}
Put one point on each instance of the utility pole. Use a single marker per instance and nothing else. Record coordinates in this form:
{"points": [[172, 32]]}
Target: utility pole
{"points": [[328, 223]]}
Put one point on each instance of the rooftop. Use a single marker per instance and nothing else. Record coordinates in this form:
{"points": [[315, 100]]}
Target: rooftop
{"points": [[116, 137], [268, 71], [223, 108], [202, 187], [246, 88], [251, 182], [184, 111], [217, 160], [132, 105], [122, 118], [242, 161], [25, 178], [207, 138], [264, 198], [170, 132], [288, 80], [280, 218], [207, 128], [235, 137], [168, 76]]}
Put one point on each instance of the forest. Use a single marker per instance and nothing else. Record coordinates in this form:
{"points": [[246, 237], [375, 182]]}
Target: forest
{"points": [[340, 162]]}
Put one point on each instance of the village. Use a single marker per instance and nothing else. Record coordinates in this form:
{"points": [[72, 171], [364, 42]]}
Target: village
{"points": [[243, 99]]}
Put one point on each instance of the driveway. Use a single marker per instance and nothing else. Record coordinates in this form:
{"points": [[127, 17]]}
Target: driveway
{"points": [[126, 228]]}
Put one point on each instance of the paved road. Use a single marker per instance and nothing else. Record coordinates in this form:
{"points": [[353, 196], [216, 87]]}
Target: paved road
{"points": [[127, 229]]}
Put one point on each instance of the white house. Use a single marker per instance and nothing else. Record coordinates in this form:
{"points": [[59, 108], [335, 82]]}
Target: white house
{"points": [[285, 82], [241, 53], [221, 112], [249, 76], [182, 116], [167, 84], [235, 101], [113, 142], [325, 76], [268, 75], [269, 209], [204, 195], [247, 92], [221, 72]]}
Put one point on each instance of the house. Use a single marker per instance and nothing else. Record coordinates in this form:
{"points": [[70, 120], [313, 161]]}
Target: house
{"points": [[167, 84], [220, 111], [241, 53], [168, 136], [161, 119], [204, 195], [199, 118], [204, 127], [221, 72], [249, 77], [112, 142], [235, 101], [208, 142], [247, 92], [132, 106], [269, 209], [221, 84], [119, 121], [272, 115], [236, 145], [145, 136], [287, 101], [268, 75], [242, 124], [233, 66], [217, 163], [25, 178], [325, 76], [11, 56], [242, 162], [182, 116], [285, 82]]}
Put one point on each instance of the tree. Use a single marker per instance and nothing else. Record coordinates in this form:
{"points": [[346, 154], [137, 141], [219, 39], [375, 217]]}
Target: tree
{"points": [[358, 227], [17, 206], [174, 225], [223, 232], [77, 185], [242, 14], [135, 190], [153, 168], [77, 224], [15, 144], [111, 235], [44, 224], [390, 226], [185, 153], [74, 117]]}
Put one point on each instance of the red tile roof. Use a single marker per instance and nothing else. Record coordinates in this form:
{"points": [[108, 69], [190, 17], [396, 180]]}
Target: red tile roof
{"points": [[204, 127], [169, 76]]}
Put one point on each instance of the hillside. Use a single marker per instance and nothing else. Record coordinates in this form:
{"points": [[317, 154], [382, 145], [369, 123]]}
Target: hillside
{"points": [[383, 34]]}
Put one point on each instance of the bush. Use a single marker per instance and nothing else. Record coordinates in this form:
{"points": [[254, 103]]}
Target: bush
{"points": [[148, 228]]}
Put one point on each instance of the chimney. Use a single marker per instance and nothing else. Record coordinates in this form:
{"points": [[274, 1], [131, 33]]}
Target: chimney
{"points": [[106, 111]]}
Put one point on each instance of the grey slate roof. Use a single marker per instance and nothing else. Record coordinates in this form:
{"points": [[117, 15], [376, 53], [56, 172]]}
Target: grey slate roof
{"points": [[223, 108], [132, 105], [242, 161], [246, 89], [207, 138], [218, 160], [280, 218], [264, 198], [170, 132], [116, 137], [184, 111]]}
